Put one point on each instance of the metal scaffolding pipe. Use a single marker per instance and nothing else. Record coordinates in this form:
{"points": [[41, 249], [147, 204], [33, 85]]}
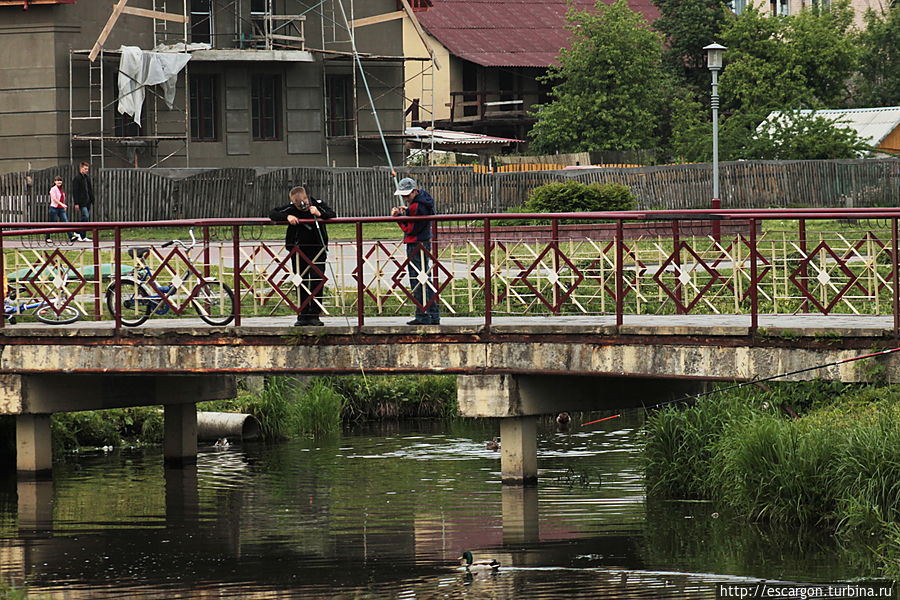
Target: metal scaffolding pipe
{"points": [[212, 426]]}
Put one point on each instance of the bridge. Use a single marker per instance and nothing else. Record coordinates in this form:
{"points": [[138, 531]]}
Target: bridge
{"points": [[589, 312]]}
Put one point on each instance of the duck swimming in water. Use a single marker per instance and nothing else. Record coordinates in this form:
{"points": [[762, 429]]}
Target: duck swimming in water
{"points": [[493, 444], [467, 560]]}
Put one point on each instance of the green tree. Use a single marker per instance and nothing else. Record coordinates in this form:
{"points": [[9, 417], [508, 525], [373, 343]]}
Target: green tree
{"points": [[825, 47], [688, 26], [879, 72], [803, 136], [606, 90]]}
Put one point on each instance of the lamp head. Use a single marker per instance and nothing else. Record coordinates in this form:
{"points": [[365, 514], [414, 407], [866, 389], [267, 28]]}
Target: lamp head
{"points": [[714, 56]]}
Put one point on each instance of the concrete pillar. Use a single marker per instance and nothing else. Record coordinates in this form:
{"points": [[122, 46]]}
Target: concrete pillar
{"points": [[180, 443], [518, 450], [34, 452], [520, 515]]}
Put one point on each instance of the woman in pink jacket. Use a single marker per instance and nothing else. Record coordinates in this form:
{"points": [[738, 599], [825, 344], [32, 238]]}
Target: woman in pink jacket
{"points": [[58, 206]]}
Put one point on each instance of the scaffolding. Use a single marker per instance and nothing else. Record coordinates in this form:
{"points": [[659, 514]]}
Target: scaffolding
{"points": [[342, 32], [95, 129]]}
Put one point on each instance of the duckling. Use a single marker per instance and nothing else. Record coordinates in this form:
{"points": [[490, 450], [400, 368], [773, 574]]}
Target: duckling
{"points": [[493, 444], [484, 564], [222, 443], [563, 419]]}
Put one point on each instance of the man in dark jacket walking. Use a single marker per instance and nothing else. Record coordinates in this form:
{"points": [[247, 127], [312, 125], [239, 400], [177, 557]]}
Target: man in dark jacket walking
{"points": [[307, 244], [82, 191], [418, 242]]}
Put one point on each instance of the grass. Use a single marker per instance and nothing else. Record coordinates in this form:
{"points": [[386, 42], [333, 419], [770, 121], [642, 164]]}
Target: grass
{"points": [[837, 466], [288, 407]]}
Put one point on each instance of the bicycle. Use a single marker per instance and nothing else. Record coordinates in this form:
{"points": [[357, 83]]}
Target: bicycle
{"points": [[45, 312], [142, 296]]}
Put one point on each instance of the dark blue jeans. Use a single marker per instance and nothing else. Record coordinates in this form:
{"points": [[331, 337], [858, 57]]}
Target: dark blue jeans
{"points": [[58, 215], [419, 263], [84, 215]]}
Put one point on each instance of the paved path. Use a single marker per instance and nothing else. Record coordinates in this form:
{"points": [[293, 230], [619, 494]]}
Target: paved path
{"points": [[860, 325]]}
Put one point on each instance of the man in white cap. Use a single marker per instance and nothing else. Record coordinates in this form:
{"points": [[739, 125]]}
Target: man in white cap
{"points": [[418, 241]]}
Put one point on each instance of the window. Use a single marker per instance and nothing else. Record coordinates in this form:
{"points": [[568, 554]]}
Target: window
{"points": [[339, 96], [124, 125], [201, 21], [204, 108], [738, 6], [265, 104]]}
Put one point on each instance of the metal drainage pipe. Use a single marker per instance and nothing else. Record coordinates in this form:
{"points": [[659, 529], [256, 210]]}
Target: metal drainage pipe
{"points": [[237, 427]]}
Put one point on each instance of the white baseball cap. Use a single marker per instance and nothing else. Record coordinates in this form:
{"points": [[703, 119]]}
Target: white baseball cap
{"points": [[405, 186]]}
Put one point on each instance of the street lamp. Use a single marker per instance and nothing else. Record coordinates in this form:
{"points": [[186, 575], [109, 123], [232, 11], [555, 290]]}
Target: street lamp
{"points": [[714, 62]]}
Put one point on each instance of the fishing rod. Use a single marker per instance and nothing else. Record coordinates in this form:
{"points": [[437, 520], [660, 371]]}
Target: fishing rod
{"points": [[761, 380]]}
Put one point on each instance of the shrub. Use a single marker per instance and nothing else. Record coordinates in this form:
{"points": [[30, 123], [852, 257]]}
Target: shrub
{"points": [[573, 196]]}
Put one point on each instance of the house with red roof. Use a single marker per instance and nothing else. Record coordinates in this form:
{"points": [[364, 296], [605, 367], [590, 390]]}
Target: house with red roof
{"points": [[490, 54]]}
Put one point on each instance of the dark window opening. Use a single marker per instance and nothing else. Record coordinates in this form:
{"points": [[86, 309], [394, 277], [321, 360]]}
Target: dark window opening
{"points": [[201, 21], [265, 101], [470, 86], [506, 81], [339, 96], [124, 125], [204, 108]]}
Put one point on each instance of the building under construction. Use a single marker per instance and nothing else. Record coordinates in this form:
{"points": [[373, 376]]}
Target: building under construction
{"points": [[268, 83]]}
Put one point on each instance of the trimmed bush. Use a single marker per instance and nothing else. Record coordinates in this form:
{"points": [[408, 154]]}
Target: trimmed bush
{"points": [[573, 196]]}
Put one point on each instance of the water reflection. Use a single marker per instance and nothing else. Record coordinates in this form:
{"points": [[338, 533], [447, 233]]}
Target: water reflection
{"points": [[383, 513]]}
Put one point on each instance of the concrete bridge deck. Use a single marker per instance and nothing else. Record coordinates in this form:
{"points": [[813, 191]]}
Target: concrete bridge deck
{"points": [[516, 369]]}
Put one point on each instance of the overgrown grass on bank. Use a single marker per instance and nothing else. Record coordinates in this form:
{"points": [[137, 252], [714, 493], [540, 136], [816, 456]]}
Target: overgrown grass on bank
{"points": [[285, 408], [836, 466], [288, 408]]}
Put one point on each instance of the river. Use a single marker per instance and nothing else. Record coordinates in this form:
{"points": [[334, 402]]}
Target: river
{"points": [[383, 512]]}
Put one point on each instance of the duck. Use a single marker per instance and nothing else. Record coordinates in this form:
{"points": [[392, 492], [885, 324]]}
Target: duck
{"points": [[467, 560], [563, 418], [222, 443], [493, 444]]}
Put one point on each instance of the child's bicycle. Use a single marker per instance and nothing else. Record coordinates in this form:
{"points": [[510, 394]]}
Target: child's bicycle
{"points": [[16, 302], [142, 296]]}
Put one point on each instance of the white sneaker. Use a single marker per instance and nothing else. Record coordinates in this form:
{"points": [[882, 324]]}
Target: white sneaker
{"points": [[86, 239], [75, 238]]}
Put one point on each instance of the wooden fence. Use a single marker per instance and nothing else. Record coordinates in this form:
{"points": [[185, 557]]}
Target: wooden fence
{"points": [[141, 194]]}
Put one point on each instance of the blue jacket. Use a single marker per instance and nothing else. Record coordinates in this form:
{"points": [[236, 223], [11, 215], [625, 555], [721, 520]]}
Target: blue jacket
{"points": [[418, 231]]}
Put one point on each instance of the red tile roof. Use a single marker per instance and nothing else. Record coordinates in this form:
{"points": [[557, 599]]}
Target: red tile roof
{"points": [[508, 33]]}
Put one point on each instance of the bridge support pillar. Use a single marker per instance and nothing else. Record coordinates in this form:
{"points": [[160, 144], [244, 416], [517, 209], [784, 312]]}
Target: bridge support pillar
{"points": [[518, 450], [180, 443], [34, 452]]}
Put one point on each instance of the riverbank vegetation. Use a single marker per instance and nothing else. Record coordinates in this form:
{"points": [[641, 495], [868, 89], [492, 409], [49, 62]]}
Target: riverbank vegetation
{"points": [[835, 465], [285, 407], [290, 407]]}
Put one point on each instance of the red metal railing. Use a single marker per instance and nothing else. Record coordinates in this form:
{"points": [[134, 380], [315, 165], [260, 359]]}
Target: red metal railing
{"points": [[612, 265]]}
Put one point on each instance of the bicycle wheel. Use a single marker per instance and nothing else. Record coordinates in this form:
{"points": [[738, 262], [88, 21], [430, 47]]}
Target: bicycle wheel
{"points": [[47, 314], [137, 303], [214, 302]]}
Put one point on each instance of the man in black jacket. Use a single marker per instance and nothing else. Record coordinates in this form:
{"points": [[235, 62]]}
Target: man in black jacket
{"points": [[83, 196], [307, 243]]}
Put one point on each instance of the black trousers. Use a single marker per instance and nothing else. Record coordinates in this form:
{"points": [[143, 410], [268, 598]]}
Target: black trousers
{"points": [[309, 263]]}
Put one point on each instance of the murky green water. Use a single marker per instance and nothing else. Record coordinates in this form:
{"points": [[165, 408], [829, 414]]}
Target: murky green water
{"points": [[384, 512]]}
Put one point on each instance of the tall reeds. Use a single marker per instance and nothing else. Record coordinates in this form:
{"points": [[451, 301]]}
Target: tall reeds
{"points": [[836, 466]]}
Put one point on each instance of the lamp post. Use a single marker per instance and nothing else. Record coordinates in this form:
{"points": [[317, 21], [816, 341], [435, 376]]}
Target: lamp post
{"points": [[714, 62]]}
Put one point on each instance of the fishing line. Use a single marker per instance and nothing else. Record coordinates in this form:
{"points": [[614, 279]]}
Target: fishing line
{"points": [[759, 380], [362, 370]]}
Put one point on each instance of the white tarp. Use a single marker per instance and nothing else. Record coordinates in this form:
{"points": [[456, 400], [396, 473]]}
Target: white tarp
{"points": [[138, 69]]}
